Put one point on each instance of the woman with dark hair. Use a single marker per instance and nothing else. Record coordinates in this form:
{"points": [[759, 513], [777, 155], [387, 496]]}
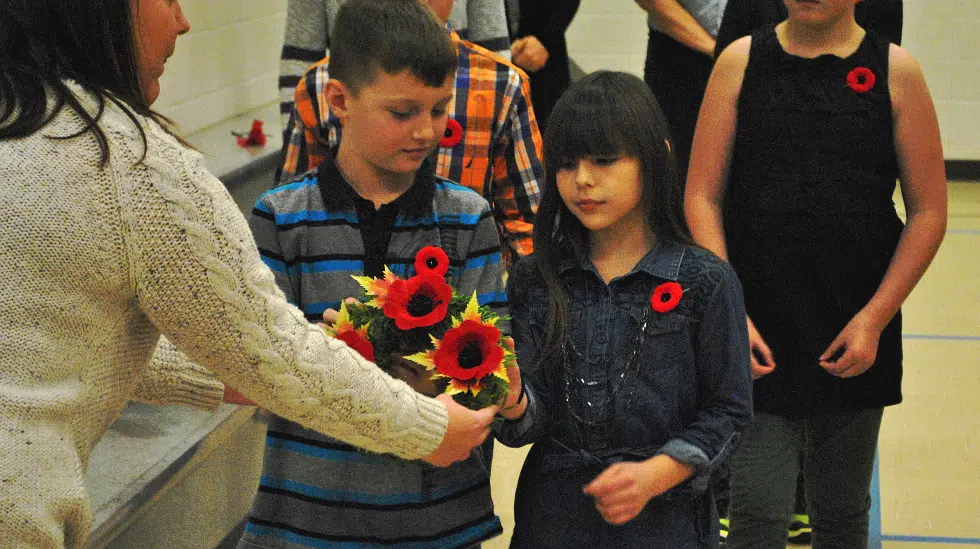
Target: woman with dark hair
{"points": [[115, 233], [640, 385]]}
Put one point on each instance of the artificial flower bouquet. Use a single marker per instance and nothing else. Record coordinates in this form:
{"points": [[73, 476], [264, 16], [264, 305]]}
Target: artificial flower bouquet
{"points": [[423, 320]]}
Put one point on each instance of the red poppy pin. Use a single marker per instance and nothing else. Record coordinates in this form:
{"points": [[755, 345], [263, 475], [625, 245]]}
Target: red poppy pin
{"points": [[861, 79], [666, 296], [453, 134], [431, 260]]}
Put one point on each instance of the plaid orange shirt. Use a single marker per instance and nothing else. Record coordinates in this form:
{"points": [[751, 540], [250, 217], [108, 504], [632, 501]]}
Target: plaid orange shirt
{"points": [[499, 153]]}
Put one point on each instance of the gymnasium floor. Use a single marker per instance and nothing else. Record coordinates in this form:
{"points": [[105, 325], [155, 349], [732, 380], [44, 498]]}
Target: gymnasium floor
{"points": [[927, 494]]}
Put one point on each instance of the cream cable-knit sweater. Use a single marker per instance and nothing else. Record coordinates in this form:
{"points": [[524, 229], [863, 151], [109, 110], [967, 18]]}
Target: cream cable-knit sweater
{"points": [[95, 265]]}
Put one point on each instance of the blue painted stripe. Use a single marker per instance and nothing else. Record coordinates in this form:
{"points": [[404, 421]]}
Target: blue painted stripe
{"points": [[482, 261], [474, 533], [368, 498], [323, 453], [291, 218], [941, 337], [874, 524], [931, 539]]}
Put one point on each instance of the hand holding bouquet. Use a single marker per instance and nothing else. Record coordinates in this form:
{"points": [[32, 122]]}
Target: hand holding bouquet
{"points": [[423, 320]]}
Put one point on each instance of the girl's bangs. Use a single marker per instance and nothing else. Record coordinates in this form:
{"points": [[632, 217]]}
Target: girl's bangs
{"points": [[585, 127]]}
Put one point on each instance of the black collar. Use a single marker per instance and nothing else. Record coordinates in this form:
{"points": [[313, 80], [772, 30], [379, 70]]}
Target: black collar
{"points": [[338, 195]]}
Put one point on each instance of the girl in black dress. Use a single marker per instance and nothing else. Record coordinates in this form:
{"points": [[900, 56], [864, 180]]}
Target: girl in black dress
{"points": [[805, 128]]}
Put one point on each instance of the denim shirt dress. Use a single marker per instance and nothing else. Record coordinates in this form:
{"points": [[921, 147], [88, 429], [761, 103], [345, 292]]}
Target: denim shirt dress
{"points": [[682, 387]]}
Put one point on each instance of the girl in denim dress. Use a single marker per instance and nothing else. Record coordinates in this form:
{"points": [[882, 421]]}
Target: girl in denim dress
{"points": [[633, 339]]}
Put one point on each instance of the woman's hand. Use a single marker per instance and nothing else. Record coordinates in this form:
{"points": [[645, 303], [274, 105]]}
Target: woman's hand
{"points": [[529, 53], [467, 429], [854, 350], [762, 361]]}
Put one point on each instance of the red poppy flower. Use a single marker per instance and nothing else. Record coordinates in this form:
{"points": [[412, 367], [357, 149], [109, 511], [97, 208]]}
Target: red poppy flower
{"points": [[861, 79], [666, 296], [419, 301], [357, 342], [469, 351], [431, 260], [453, 134]]}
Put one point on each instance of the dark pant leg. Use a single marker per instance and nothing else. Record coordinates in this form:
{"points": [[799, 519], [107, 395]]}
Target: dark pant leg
{"points": [[719, 485], [840, 453], [800, 508], [678, 76], [763, 482]]}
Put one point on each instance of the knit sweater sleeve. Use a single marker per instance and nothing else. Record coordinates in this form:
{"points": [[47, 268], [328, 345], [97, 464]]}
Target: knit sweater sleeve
{"points": [[198, 277], [172, 378]]}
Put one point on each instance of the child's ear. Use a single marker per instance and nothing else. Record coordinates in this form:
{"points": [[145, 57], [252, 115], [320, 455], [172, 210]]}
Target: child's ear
{"points": [[337, 95]]}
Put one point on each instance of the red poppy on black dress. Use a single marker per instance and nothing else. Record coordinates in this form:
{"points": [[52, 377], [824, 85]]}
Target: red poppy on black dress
{"points": [[861, 79], [666, 296]]}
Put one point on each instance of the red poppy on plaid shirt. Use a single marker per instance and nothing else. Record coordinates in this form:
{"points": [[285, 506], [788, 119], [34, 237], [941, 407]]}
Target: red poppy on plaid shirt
{"points": [[511, 180]]}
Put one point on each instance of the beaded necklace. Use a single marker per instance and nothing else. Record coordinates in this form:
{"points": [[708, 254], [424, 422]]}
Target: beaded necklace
{"points": [[632, 367]]}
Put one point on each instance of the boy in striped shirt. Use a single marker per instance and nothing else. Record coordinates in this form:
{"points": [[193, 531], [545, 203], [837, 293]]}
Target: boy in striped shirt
{"points": [[495, 148], [374, 201]]}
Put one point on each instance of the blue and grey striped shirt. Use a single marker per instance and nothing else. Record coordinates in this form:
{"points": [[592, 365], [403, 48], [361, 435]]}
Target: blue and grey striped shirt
{"points": [[315, 233]]}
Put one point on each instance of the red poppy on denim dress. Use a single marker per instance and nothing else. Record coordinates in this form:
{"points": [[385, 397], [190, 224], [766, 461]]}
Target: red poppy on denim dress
{"points": [[666, 296]]}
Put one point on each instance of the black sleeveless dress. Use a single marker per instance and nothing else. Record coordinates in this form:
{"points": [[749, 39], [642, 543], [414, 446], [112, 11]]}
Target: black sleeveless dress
{"points": [[810, 222]]}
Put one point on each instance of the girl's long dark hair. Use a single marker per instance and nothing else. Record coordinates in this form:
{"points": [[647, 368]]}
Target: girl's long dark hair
{"points": [[45, 42], [603, 114]]}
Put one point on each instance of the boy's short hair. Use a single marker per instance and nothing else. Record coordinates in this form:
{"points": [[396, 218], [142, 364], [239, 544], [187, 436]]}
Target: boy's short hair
{"points": [[390, 35]]}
